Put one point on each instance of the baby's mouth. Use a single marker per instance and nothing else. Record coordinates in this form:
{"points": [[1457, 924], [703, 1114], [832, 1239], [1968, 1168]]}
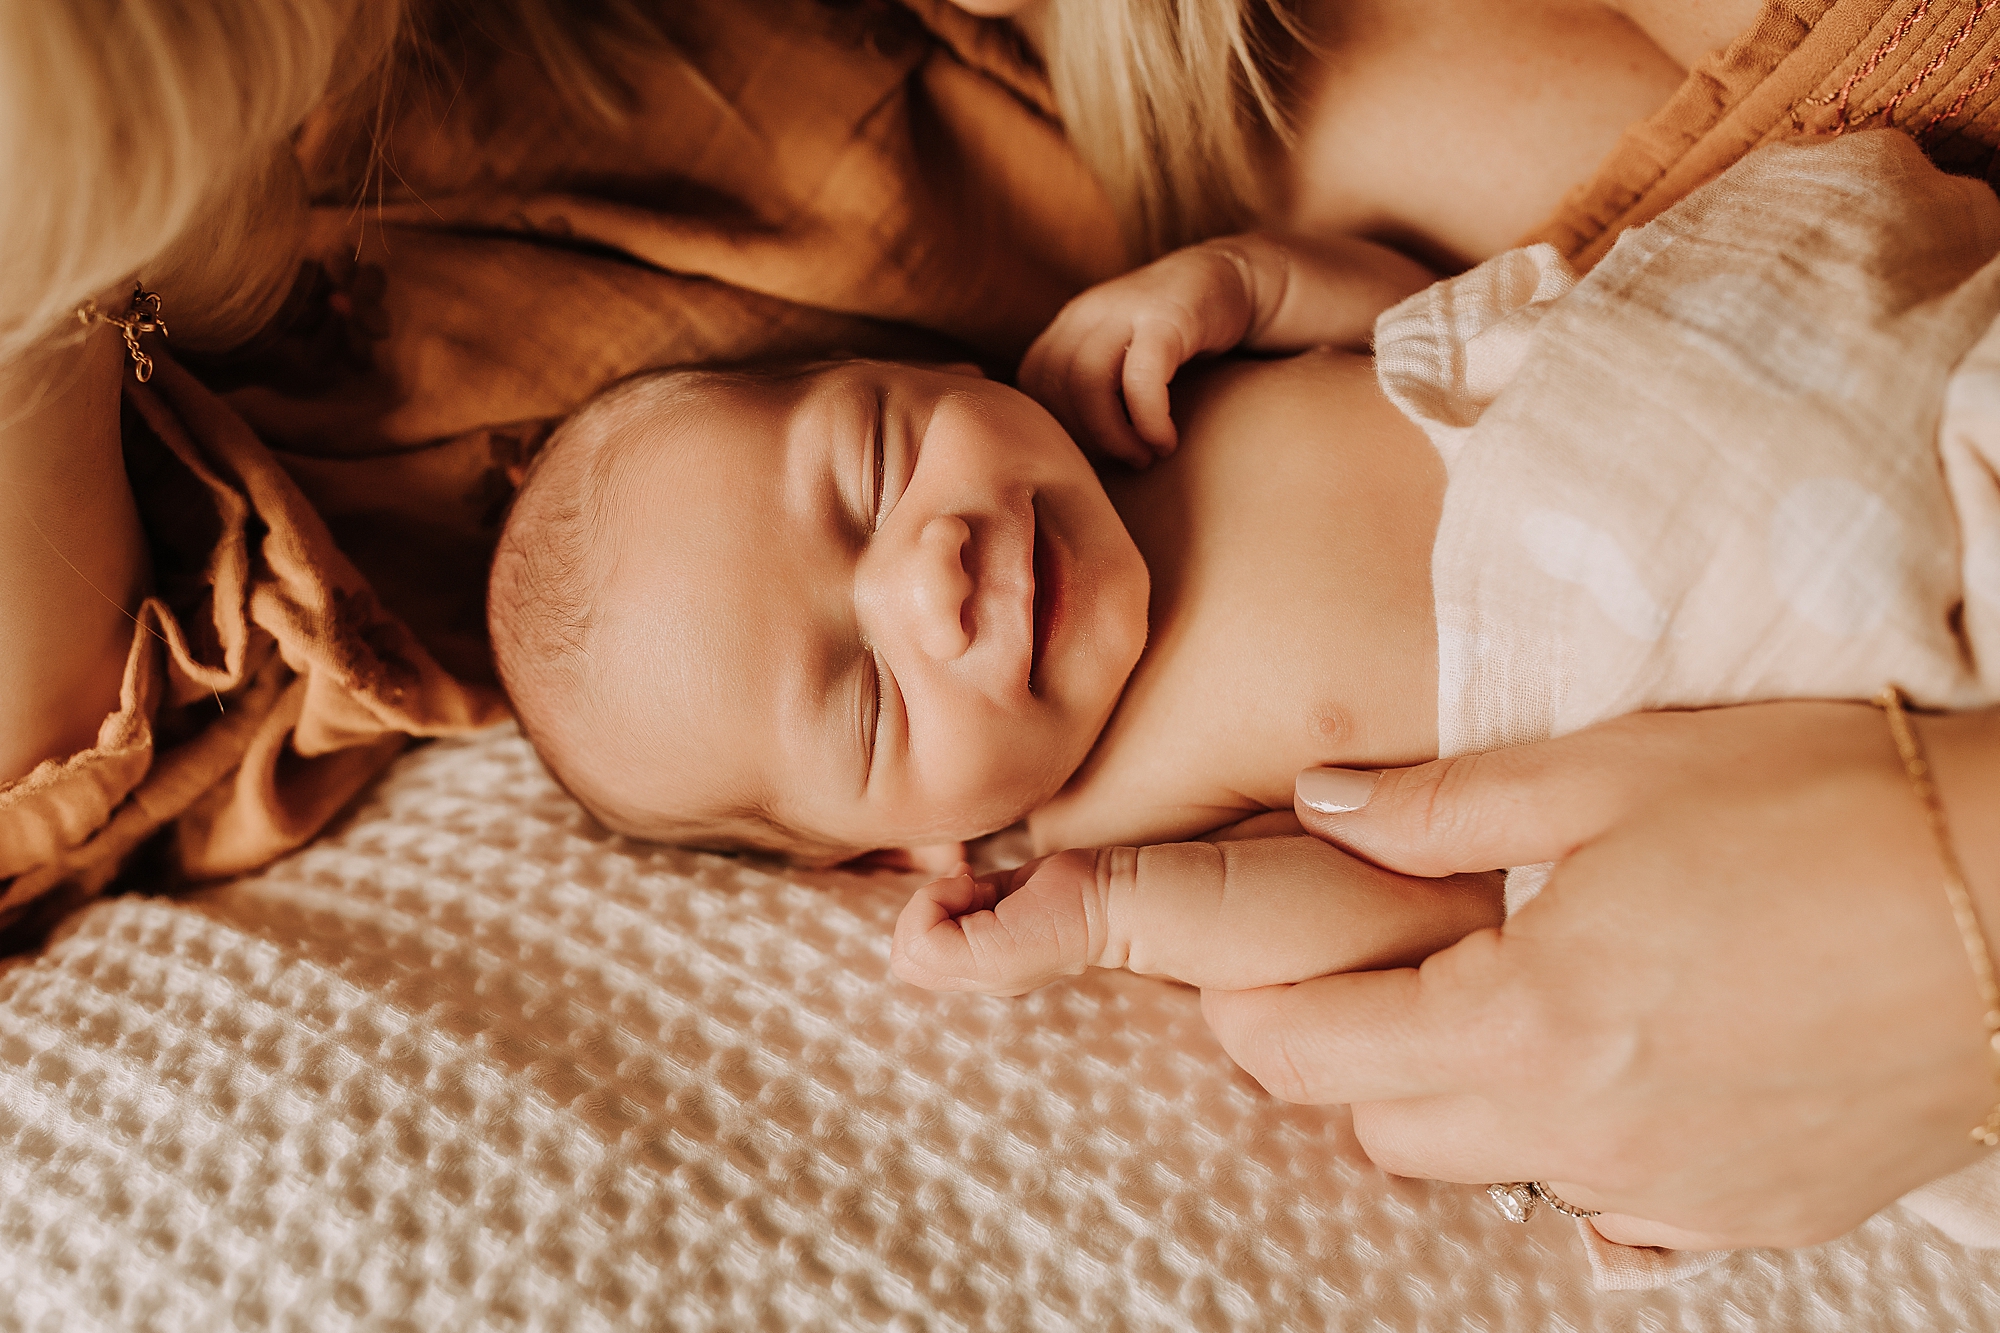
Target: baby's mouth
{"points": [[1048, 601]]}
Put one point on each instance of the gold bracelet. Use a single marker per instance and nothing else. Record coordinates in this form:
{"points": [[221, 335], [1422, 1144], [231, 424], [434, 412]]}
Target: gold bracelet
{"points": [[140, 317], [1962, 909]]}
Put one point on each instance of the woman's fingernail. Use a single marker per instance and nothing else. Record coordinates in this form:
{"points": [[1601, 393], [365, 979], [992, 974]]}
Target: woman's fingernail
{"points": [[1335, 791]]}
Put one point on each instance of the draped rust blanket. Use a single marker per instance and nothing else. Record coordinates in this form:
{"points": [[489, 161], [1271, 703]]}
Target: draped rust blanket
{"points": [[794, 177]]}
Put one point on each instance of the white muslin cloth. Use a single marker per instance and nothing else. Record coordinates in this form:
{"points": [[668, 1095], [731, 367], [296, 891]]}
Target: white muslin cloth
{"points": [[470, 1064], [1753, 455]]}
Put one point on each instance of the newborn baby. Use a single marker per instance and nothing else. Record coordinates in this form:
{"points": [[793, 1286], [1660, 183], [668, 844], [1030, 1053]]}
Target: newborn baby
{"points": [[860, 608]]}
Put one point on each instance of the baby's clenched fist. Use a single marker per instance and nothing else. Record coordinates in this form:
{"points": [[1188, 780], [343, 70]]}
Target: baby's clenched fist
{"points": [[1104, 365]]}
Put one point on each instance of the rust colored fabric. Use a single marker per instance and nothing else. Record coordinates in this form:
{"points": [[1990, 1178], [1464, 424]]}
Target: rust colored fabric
{"points": [[1926, 67], [265, 684]]}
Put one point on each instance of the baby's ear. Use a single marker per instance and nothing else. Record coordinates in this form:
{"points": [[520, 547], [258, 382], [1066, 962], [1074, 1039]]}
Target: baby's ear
{"points": [[937, 858]]}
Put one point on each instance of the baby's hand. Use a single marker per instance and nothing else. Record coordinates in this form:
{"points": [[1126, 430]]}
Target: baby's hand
{"points": [[1230, 916], [1103, 366]]}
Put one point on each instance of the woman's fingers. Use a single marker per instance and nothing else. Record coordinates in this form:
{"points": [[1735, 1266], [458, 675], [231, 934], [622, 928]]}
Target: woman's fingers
{"points": [[1532, 803], [1621, 1229], [1454, 1136], [1372, 1036], [1517, 806], [1462, 1139], [1232, 915]]}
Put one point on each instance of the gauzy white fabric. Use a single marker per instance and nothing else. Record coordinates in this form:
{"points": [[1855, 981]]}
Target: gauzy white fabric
{"points": [[1754, 454], [468, 1062], [1713, 470]]}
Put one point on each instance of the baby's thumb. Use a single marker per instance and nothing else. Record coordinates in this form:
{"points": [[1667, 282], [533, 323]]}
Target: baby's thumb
{"points": [[1509, 807]]}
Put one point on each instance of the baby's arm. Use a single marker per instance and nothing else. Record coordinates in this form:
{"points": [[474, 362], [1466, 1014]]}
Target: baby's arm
{"points": [[1103, 366], [1200, 912]]}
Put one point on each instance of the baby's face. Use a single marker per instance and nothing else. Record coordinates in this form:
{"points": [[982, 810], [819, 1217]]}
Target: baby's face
{"points": [[887, 606]]}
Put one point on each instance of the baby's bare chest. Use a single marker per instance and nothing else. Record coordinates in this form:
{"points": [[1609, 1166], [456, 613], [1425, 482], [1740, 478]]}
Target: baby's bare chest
{"points": [[1289, 543]]}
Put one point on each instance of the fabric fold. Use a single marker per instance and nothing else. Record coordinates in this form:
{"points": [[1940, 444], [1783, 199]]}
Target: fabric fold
{"points": [[263, 689]]}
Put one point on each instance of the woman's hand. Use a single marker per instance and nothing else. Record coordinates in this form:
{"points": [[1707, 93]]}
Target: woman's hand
{"points": [[1236, 914], [1739, 1014], [1102, 367]]}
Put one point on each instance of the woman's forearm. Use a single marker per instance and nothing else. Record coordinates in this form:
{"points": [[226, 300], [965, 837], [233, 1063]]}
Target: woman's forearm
{"points": [[73, 562]]}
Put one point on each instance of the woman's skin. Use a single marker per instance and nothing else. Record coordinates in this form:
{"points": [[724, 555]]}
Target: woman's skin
{"points": [[1514, 104], [1741, 1014], [72, 557]]}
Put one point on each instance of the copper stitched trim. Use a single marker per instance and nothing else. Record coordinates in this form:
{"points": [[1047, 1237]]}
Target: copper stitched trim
{"points": [[1965, 95], [1841, 95], [1937, 62]]}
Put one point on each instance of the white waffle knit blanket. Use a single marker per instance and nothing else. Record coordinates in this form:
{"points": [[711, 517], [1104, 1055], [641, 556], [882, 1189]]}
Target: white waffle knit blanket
{"points": [[470, 1063]]}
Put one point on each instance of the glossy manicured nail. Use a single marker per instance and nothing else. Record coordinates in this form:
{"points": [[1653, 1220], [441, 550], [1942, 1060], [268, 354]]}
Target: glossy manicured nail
{"points": [[1335, 791]]}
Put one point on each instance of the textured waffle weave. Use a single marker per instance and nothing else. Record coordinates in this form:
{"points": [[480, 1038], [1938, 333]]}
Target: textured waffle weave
{"points": [[469, 1063]]}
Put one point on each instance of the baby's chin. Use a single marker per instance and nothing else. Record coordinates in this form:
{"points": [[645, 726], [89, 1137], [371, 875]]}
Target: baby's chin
{"points": [[993, 811]]}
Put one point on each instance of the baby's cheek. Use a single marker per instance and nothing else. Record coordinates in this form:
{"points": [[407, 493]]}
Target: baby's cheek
{"points": [[1035, 761], [989, 777]]}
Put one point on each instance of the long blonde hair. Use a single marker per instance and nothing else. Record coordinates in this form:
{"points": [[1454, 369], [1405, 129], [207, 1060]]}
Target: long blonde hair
{"points": [[153, 138], [1166, 101], [133, 128]]}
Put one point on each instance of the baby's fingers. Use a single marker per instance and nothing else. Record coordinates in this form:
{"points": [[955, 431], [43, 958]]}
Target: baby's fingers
{"points": [[1074, 371], [1234, 916], [1001, 934], [1156, 352], [1092, 389]]}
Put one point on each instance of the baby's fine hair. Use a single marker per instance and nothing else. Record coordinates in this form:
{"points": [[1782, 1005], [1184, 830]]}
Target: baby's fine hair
{"points": [[541, 607], [542, 612]]}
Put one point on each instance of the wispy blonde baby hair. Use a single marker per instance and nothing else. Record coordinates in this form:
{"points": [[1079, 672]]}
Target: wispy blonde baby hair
{"points": [[1166, 101]]}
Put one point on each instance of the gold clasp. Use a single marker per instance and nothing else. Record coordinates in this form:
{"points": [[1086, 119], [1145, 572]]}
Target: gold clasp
{"points": [[141, 317]]}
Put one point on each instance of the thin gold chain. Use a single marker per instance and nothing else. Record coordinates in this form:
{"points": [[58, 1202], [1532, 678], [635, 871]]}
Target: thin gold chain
{"points": [[1918, 767]]}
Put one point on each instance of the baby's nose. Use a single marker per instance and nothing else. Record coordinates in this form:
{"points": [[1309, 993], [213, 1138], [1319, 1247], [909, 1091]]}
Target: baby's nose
{"points": [[939, 588]]}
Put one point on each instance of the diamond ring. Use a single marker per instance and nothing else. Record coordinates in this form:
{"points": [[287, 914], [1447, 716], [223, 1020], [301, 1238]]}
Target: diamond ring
{"points": [[1517, 1199]]}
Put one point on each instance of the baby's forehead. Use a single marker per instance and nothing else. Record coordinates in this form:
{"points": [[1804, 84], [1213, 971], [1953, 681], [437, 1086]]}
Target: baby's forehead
{"points": [[696, 424], [704, 633]]}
